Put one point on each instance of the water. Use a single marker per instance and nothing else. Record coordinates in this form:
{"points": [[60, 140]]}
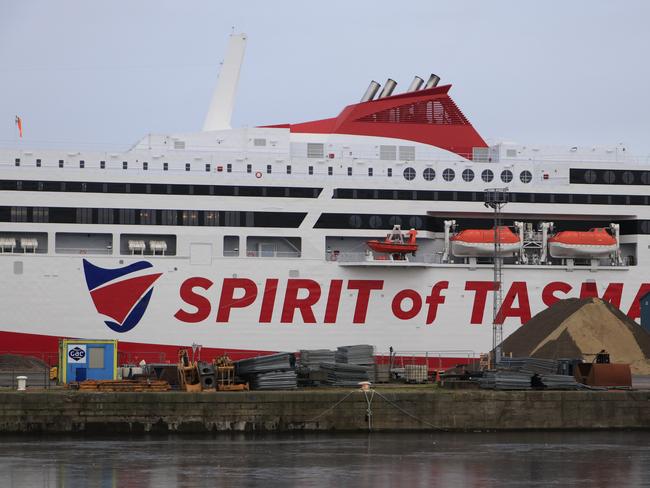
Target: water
{"points": [[585, 459]]}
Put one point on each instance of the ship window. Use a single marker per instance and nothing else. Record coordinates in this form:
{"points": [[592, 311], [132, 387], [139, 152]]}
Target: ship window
{"points": [[288, 169], [102, 165], [147, 217], [369, 171], [609, 177], [125, 164], [415, 222], [259, 142], [17, 161], [268, 168], [525, 176], [330, 171], [19, 214], [407, 153], [211, 218], [82, 164], [349, 171], [187, 166], [645, 177], [310, 170], [165, 166], [590, 176], [249, 168], [229, 168], [231, 246], [207, 167], [38, 163], [448, 174], [506, 176], [388, 153], [355, 221], [375, 222], [627, 177], [60, 163], [394, 220], [511, 153], [127, 216], [468, 175], [145, 166], [190, 217], [389, 172], [104, 215], [409, 173], [429, 174], [168, 217], [315, 150]]}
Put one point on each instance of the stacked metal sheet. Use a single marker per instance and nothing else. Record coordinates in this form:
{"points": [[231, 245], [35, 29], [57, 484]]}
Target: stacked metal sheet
{"points": [[560, 382], [358, 354], [341, 374], [272, 372], [311, 358], [275, 380], [505, 380], [530, 365], [281, 361]]}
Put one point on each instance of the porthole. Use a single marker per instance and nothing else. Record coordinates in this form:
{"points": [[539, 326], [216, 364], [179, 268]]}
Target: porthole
{"points": [[448, 174], [409, 173], [590, 176], [468, 175], [609, 177], [526, 176], [627, 177], [487, 175], [355, 221], [375, 222], [429, 174], [415, 222], [506, 176]]}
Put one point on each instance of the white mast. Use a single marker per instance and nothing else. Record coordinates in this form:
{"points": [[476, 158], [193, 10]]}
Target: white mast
{"points": [[223, 99]]}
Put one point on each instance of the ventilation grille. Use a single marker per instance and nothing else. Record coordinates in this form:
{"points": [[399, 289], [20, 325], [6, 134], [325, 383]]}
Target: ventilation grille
{"points": [[436, 112], [315, 150], [387, 153], [259, 142], [407, 153], [179, 144]]}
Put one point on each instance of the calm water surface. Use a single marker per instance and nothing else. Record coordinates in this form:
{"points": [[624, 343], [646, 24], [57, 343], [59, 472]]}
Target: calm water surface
{"points": [[594, 459]]}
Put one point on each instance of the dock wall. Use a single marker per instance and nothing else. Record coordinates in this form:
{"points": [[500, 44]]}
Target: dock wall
{"points": [[327, 410]]}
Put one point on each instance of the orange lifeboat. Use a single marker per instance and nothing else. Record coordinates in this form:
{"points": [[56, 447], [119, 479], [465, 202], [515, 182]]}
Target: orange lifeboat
{"points": [[594, 243], [480, 242], [395, 242]]}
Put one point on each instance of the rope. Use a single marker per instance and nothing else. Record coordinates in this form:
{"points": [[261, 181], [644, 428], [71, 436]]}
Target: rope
{"points": [[331, 408], [407, 413], [369, 409]]}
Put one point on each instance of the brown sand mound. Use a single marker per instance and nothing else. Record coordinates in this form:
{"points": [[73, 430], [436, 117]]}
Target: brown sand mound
{"points": [[15, 362], [579, 328]]}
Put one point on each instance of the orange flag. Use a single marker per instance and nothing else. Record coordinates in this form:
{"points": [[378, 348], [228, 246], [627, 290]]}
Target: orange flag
{"points": [[19, 124]]}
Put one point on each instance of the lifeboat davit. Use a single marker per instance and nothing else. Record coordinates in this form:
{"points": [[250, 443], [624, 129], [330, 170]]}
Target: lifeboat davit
{"points": [[594, 243], [395, 242], [480, 242]]}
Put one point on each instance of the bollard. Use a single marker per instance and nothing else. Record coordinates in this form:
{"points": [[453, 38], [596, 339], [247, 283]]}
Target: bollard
{"points": [[22, 383]]}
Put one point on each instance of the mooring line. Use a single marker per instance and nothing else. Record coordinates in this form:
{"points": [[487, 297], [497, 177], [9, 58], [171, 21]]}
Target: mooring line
{"points": [[407, 413], [332, 407]]}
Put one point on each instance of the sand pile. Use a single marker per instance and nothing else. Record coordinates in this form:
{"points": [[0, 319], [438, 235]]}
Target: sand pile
{"points": [[579, 328]]}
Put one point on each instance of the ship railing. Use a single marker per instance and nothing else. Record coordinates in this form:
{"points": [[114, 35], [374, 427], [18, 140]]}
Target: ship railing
{"points": [[369, 256], [84, 250], [263, 254]]}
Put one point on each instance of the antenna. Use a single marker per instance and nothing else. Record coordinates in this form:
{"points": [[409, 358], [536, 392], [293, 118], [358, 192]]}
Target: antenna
{"points": [[223, 98]]}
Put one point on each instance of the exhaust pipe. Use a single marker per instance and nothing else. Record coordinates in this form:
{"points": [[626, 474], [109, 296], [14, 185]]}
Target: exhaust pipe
{"points": [[371, 91], [415, 84], [388, 88], [432, 82]]}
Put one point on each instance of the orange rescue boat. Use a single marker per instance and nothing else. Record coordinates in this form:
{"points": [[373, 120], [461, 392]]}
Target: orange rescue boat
{"points": [[395, 242]]}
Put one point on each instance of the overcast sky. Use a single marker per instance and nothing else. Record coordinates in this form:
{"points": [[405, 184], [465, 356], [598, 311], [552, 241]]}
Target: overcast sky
{"points": [[83, 72]]}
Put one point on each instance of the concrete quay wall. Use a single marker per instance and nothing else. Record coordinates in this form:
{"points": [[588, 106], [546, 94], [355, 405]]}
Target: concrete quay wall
{"points": [[326, 410]]}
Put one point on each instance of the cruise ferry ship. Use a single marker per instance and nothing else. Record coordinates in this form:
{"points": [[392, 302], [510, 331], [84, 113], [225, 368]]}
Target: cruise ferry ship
{"points": [[369, 227]]}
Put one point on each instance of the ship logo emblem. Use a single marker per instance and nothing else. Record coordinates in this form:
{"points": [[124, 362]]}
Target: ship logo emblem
{"points": [[120, 298]]}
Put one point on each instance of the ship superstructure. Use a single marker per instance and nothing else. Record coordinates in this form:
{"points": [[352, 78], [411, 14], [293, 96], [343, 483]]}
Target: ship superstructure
{"points": [[256, 239]]}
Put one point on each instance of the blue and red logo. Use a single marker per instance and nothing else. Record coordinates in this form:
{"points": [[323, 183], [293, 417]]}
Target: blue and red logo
{"points": [[119, 297]]}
